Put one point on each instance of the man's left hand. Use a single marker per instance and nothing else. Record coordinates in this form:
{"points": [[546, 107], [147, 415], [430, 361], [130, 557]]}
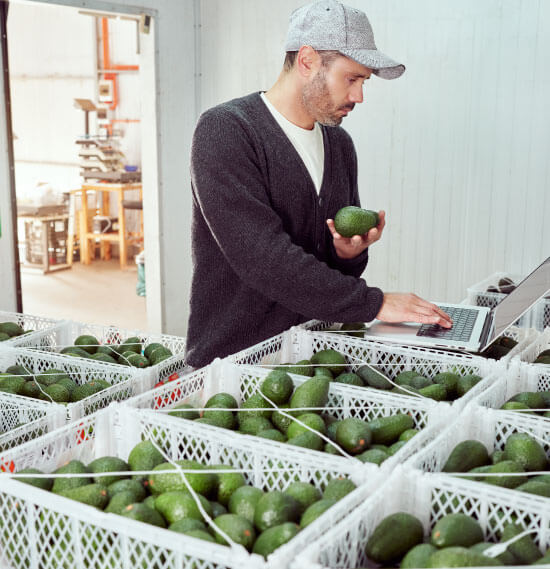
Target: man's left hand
{"points": [[351, 247]]}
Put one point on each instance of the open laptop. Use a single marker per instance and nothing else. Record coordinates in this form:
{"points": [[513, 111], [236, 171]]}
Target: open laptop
{"points": [[475, 328]]}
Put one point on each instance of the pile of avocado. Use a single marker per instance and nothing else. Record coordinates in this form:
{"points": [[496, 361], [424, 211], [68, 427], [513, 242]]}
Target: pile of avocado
{"points": [[354, 329], [527, 400], [456, 540], [543, 357], [444, 386], [370, 441], [130, 352], [11, 330], [50, 385], [500, 348], [505, 286], [259, 520], [521, 453]]}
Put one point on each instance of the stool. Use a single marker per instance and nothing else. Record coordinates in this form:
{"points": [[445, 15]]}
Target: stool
{"points": [[132, 204], [77, 225], [133, 236]]}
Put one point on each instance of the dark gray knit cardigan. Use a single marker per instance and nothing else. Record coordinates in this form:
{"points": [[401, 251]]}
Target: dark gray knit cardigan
{"points": [[263, 257]]}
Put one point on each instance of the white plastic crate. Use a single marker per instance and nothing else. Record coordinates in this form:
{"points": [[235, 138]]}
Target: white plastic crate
{"points": [[23, 419], [521, 377], [65, 335], [491, 427], [346, 401], [54, 532], [477, 295], [429, 498], [541, 314], [43, 329], [126, 381], [523, 337], [298, 344], [320, 325], [539, 343], [266, 353]]}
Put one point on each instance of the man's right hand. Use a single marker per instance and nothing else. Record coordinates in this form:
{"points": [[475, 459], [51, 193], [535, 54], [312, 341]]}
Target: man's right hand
{"points": [[407, 307]]}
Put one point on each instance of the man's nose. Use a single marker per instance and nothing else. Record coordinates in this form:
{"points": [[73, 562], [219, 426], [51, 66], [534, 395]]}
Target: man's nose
{"points": [[356, 95]]}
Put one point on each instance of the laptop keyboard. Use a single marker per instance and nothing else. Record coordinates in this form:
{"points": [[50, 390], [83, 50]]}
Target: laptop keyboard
{"points": [[463, 324]]}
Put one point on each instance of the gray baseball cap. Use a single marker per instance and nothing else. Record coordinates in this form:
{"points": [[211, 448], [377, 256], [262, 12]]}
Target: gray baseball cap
{"points": [[330, 25]]}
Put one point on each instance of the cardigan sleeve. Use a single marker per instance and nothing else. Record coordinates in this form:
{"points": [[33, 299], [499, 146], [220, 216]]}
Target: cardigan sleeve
{"points": [[230, 190]]}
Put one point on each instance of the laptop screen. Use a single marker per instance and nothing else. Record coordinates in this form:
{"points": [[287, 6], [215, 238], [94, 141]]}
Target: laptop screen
{"points": [[512, 306]]}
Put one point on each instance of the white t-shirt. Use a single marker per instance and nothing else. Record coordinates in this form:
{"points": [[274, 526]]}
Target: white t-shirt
{"points": [[308, 144]]}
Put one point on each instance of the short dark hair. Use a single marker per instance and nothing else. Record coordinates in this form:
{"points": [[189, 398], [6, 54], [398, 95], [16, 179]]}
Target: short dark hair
{"points": [[327, 57]]}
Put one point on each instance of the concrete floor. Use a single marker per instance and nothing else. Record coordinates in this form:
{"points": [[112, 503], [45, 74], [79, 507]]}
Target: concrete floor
{"points": [[100, 293]]}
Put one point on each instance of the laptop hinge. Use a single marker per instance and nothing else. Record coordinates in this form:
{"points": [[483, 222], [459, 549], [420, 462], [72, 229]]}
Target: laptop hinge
{"points": [[487, 328]]}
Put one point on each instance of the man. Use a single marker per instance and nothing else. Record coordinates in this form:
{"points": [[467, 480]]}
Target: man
{"points": [[269, 171]]}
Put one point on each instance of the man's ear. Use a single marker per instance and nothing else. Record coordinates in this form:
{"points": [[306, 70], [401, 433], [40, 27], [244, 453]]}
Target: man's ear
{"points": [[307, 61]]}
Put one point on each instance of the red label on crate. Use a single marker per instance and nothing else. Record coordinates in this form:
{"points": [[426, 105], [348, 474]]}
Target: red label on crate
{"points": [[81, 435], [173, 377], [7, 467], [175, 394]]}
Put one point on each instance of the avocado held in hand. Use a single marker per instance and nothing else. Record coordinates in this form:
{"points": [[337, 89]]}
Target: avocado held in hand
{"points": [[352, 220]]}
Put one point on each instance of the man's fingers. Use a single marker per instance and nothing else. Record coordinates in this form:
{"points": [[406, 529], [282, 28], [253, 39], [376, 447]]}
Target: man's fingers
{"points": [[382, 217], [373, 235], [335, 234], [433, 312], [443, 314], [434, 319]]}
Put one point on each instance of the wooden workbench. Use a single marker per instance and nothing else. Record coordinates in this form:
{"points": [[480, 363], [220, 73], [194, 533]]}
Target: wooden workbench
{"points": [[122, 236]]}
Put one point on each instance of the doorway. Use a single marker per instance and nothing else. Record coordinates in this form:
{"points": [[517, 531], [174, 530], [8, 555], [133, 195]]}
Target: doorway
{"points": [[76, 98]]}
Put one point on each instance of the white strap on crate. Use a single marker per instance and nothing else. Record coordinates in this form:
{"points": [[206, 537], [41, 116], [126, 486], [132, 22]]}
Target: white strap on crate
{"points": [[222, 377], [297, 345]]}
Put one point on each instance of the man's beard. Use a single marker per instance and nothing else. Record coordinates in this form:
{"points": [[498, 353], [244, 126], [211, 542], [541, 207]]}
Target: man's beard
{"points": [[318, 102]]}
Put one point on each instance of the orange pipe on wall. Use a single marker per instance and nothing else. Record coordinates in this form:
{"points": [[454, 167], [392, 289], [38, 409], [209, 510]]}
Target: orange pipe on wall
{"points": [[105, 42], [107, 63]]}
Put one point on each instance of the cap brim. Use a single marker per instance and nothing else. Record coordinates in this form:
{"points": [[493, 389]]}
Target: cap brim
{"points": [[381, 65]]}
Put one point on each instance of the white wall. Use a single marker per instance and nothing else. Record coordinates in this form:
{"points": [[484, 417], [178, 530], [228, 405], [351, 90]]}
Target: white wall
{"points": [[455, 151]]}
